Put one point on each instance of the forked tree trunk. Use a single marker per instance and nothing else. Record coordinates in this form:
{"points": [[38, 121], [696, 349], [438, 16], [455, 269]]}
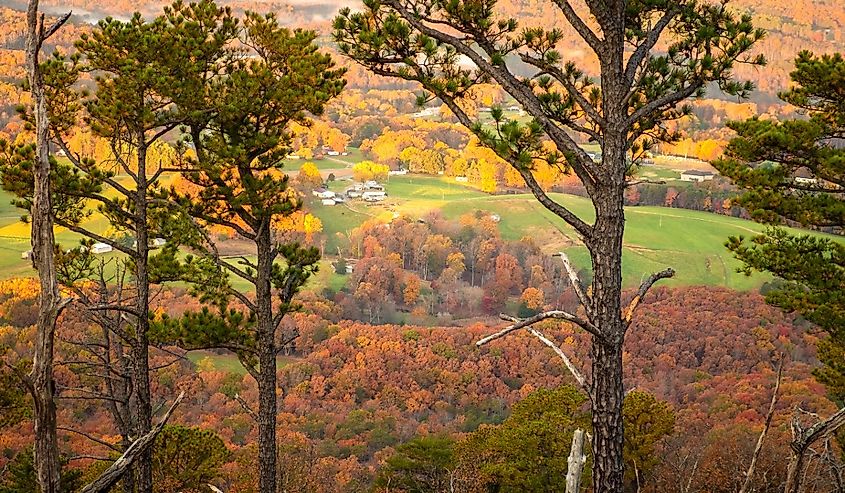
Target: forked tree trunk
{"points": [[42, 386], [802, 440]]}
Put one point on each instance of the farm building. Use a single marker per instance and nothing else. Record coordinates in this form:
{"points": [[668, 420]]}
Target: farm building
{"points": [[99, 248], [322, 193], [426, 112], [373, 185], [697, 175], [374, 195], [154, 243]]}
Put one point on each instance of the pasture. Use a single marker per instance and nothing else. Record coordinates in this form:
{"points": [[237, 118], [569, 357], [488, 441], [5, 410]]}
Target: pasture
{"points": [[691, 242], [656, 237]]}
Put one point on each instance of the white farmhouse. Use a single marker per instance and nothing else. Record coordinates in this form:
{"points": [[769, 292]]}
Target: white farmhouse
{"points": [[322, 193]]}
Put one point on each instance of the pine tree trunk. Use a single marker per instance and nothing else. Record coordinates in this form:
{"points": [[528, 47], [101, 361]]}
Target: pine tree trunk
{"points": [[267, 365], [47, 465], [140, 346], [606, 352]]}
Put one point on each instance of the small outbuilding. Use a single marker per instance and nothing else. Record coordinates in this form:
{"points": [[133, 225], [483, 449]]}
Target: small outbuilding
{"points": [[322, 193], [697, 175], [100, 248]]}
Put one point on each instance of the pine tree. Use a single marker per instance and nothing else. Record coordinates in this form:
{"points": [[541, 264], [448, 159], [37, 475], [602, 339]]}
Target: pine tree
{"points": [[239, 187], [793, 172], [140, 97], [653, 55]]}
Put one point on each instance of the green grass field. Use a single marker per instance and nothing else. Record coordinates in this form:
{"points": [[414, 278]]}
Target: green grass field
{"points": [[227, 362], [328, 162], [689, 241]]}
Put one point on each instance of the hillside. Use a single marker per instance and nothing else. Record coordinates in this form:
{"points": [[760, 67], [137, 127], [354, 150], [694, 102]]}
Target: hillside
{"points": [[792, 26], [655, 237], [354, 392]]}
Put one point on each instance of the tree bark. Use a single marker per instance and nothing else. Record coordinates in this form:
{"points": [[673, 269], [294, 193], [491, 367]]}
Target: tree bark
{"points": [[267, 364], [142, 402], [606, 351], [42, 386]]}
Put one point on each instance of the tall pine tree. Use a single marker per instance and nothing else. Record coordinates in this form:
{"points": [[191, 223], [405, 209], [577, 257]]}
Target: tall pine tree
{"points": [[238, 186], [652, 56], [794, 172], [140, 97]]}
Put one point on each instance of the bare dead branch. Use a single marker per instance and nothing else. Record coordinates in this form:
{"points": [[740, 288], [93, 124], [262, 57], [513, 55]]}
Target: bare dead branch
{"points": [[90, 437], [575, 281], [112, 475], [576, 373], [802, 440], [246, 407], [749, 475], [90, 457], [527, 322], [644, 287]]}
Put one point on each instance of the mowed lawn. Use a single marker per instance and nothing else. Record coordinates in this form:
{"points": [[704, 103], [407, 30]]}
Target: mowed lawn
{"points": [[328, 163]]}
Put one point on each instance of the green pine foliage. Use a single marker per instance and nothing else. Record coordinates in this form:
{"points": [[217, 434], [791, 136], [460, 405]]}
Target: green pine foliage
{"points": [[793, 172]]}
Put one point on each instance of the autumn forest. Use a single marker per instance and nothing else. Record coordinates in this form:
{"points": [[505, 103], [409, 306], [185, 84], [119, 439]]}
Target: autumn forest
{"points": [[422, 246]]}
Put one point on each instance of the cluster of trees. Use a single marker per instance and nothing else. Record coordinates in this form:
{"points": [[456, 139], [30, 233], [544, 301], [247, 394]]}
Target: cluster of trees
{"points": [[368, 170], [235, 112], [716, 196], [450, 269]]}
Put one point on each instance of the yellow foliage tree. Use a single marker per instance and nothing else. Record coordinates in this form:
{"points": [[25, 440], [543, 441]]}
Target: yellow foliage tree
{"points": [[309, 176], [369, 170]]}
